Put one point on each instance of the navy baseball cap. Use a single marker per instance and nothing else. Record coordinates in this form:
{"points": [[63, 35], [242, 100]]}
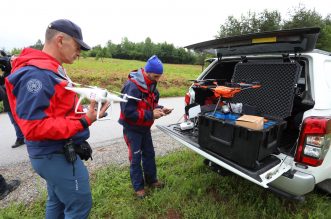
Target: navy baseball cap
{"points": [[70, 28]]}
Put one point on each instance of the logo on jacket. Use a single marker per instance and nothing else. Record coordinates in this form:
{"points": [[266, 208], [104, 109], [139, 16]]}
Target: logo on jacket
{"points": [[34, 86]]}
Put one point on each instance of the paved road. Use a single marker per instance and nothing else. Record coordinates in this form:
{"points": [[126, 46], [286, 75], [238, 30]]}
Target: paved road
{"points": [[102, 132]]}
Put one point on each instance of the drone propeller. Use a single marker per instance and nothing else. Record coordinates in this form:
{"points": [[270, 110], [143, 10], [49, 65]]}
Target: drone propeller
{"points": [[255, 84], [205, 80], [84, 85], [126, 96]]}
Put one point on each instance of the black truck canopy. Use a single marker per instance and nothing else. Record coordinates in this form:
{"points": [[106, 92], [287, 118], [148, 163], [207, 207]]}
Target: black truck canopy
{"points": [[282, 41]]}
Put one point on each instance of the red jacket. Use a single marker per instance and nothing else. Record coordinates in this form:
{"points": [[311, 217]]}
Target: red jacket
{"points": [[40, 104], [139, 114]]}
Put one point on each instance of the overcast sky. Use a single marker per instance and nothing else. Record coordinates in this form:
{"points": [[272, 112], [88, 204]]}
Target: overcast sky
{"points": [[180, 22]]}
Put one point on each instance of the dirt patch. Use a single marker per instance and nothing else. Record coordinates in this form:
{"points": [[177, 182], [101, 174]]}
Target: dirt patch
{"points": [[214, 193], [173, 214]]}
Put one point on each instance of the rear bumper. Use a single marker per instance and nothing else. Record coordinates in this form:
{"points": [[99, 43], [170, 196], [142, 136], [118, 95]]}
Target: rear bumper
{"points": [[294, 183]]}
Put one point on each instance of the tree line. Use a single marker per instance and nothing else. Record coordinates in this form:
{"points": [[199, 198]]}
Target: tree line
{"points": [[272, 20], [168, 53], [252, 22]]}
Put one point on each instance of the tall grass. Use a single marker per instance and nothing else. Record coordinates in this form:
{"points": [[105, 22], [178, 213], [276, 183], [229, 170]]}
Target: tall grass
{"points": [[192, 191]]}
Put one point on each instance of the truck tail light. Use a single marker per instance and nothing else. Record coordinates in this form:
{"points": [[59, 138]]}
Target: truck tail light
{"points": [[187, 102], [314, 141], [187, 98]]}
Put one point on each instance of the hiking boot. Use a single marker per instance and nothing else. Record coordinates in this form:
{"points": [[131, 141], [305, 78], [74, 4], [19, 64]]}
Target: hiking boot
{"points": [[11, 186], [4, 194], [18, 143], [140, 194], [157, 185]]}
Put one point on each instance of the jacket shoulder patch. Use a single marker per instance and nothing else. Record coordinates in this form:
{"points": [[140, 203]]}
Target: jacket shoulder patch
{"points": [[34, 86]]}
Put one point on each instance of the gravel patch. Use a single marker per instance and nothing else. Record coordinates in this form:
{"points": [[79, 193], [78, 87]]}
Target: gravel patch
{"points": [[116, 152]]}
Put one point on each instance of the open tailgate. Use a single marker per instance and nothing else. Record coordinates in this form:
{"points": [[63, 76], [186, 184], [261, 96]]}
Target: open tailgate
{"points": [[274, 167], [280, 41]]}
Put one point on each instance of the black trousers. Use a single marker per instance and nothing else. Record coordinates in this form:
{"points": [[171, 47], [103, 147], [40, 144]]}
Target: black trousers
{"points": [[4, 98], [3, 184]]}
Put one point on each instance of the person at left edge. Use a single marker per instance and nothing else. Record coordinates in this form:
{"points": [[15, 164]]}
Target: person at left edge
{"points": [[5, 66], [45, 112]]}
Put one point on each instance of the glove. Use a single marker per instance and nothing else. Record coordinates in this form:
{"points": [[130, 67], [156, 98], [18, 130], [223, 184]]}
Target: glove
{"points": [[84, 150]]}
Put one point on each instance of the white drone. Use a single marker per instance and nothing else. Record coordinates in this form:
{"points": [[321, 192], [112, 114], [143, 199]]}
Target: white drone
{"points": [[100, 95]]}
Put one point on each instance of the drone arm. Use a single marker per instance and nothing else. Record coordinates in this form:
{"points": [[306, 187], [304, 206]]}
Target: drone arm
{"points": [[114, 98], [98, 110], [100, 104], [77, 105]]}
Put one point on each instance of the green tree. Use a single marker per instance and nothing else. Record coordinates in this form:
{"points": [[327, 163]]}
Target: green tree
{"points": [[166, 52], [84, 54], [101, 54], [148, 48], [325, 37], [127, 48], [303, 17], [98, 52], [110, 49], [15, 51], [38, 45], [251, 23], [271, 20], [231, 27], [94, 51]]}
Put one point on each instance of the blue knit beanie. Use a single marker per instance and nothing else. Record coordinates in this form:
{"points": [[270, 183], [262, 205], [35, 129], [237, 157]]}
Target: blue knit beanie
{"points": [[154, 65]]}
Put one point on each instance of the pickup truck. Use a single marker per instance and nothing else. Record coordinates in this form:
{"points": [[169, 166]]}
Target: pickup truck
{"points": [[291, 156]]}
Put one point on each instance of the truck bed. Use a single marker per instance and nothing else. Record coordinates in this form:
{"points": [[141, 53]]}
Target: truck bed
{"points": [[190, 138]]}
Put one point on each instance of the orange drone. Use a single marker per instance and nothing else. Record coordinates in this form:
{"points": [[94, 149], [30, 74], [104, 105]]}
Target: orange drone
{"points": [[229, 89]]}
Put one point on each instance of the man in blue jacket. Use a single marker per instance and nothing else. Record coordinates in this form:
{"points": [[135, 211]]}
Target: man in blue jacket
{"points": [[137, 117], [45, 111]]}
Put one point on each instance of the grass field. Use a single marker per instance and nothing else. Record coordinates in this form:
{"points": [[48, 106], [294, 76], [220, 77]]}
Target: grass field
{"points": [[112, 73], [192, 191]]}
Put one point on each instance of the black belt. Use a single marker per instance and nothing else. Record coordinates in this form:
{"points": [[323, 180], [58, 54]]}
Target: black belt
{"points": [[58, 152]]}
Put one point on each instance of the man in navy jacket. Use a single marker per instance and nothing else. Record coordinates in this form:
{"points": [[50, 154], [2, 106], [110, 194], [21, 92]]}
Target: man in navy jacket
{"points": [[45, 111], [137, 117]]}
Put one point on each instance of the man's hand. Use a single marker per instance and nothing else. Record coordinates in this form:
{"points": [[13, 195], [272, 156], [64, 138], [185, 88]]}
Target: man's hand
{"points": [[167, 110], [158, 113], [92, 112]]}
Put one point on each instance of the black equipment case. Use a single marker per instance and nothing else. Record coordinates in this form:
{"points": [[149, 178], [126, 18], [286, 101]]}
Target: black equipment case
{"points": [[274, 101]]}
